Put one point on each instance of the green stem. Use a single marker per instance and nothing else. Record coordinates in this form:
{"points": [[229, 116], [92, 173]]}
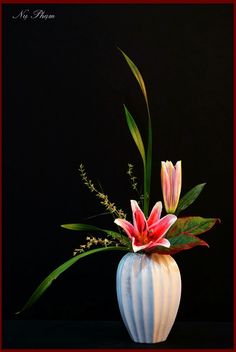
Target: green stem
{"points": [[148, 165]]}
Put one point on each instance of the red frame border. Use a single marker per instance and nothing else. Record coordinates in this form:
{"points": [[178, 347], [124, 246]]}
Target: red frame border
{"points": [[233, 2]]}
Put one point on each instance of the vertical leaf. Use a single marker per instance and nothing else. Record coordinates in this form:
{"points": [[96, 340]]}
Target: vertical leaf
{"points": [[135, 134]]}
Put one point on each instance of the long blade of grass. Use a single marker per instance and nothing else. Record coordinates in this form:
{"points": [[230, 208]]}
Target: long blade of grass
{"points": [[96, 216], [148, 160], [136, 73], [135, 134], [54, 275]]}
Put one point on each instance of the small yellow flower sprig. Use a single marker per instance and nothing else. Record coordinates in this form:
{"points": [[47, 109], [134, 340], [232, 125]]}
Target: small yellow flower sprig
{"points": [[93, 241], [111, 207], [133, 179]]}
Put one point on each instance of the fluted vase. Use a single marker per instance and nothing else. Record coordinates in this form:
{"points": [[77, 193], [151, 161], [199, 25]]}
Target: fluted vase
{"points": [[148, 292]]}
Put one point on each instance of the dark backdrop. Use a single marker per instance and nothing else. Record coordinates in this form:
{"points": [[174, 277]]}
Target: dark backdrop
{"points": [[64, 86]]}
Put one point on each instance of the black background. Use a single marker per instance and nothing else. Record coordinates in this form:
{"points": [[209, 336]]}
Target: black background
{"points": [[64, 86]]}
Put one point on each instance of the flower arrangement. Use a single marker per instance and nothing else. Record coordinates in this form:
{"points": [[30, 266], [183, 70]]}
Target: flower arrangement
{"points": [[148, 232]]}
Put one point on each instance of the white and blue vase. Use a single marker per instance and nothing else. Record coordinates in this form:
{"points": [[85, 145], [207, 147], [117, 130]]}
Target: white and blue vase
{"points": [[148, 291]]}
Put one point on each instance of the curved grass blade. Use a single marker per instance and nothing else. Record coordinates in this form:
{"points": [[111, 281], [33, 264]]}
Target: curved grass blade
{"points": [[135, 134], [189, 197], [123, 239], [148, 161], [96, 215], [136, 73], [54, 275]]}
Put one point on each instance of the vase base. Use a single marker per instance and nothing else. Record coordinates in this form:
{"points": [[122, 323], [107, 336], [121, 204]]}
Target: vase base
{"points": [[150, 342]]}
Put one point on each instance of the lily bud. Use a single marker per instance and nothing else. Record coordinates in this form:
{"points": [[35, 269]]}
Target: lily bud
{"points": [[171, 182]]}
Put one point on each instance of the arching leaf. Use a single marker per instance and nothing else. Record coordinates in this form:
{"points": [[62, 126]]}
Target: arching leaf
{"points": [[54, 275]]}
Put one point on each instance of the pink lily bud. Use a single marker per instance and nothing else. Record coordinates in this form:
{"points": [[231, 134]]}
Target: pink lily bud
{"points": [[171, 182]]}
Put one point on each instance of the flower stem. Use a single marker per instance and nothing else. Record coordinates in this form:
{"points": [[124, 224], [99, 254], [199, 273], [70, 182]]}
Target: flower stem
{"points": [[148, 165]]}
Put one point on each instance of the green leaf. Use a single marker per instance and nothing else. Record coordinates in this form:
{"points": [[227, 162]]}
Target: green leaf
{"points": [[148, 161], [135, 134], [136, 73], [185, 240], [54, 275], [124, 240], [82, 227], [179, 243], [191, 225], [189, 198], [182, 234]]}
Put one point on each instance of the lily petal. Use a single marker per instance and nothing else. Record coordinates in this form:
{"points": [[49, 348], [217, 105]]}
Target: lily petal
{"points": [[162, 226], [155, 214], [139, 221], [162, 242], [126, 226], [165, 183], [177, 183], [137, 248]]}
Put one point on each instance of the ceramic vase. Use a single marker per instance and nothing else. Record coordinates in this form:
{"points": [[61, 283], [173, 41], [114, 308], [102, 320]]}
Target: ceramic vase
{"points": [[148, 292]]}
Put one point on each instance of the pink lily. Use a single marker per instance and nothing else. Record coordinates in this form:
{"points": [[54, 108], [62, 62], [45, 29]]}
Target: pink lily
{"points": [[171, 181], [146, 234]]}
